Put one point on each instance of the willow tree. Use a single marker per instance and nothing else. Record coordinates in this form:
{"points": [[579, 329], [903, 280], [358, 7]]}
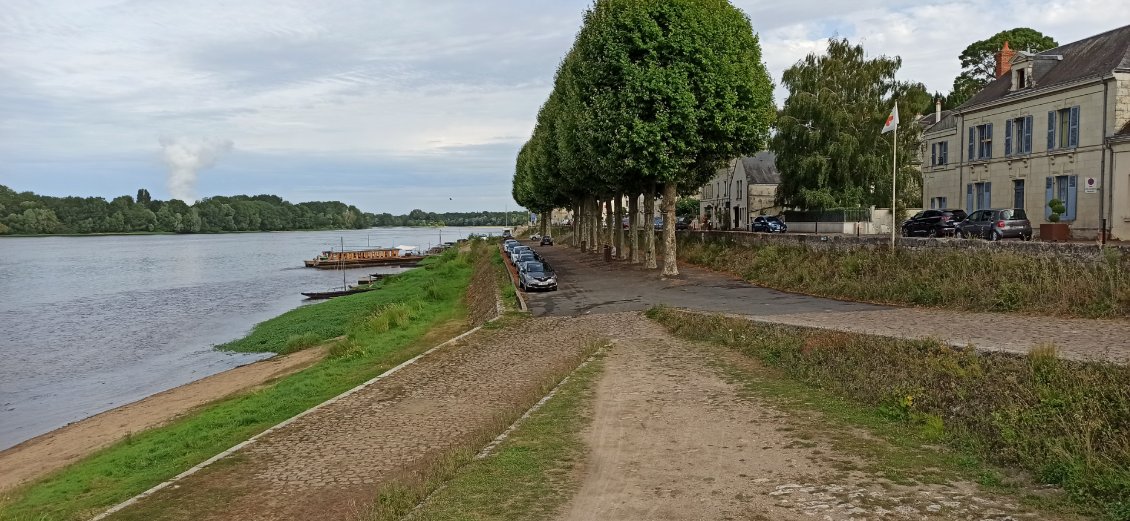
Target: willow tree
{"points": [[674, 89], [829, 148]]}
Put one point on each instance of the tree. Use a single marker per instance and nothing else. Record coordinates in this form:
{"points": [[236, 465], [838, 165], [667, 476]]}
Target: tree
{"points": [[672, 90], [686, 207], [143, 197], [978, 60], [828, 143]]}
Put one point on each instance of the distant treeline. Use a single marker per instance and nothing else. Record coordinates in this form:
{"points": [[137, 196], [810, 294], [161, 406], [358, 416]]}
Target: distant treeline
{"points": [[422, 218], [25, 213]]}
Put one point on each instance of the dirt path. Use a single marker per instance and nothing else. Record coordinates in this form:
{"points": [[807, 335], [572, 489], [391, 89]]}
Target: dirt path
{"points": [[44, 454], [329, 464], [672, 439]]}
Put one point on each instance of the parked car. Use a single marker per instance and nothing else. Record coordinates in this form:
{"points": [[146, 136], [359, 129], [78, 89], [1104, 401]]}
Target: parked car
{"points": [[658, 224], [510, 245], [525, 256], [768, 225], [535, 237], [996, 224], [537, 276], [933, 223], [506, 233], [547, 241], [514, 253], [682, 223]]}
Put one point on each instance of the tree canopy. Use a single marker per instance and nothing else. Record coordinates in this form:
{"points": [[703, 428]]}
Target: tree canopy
{"points": [[652, 93], [978, 60], [829, 149]]}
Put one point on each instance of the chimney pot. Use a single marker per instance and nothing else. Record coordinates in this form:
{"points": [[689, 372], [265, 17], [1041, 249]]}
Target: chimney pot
{"points": [[1004, 60]]}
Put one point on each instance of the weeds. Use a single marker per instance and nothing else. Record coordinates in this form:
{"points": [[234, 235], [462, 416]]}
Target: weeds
{"points": [[1067, 422], [970, 280]]}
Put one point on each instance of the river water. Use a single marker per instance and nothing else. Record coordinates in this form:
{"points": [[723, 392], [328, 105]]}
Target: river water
{"points": [[91, 323]]}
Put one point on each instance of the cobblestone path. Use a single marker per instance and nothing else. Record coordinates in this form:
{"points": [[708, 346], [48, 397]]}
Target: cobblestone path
{"points": [[327, 465], [590, 285]]}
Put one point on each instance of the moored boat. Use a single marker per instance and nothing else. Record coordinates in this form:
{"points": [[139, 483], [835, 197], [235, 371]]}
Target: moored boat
{"points": [[322, 295], [336, 260]]}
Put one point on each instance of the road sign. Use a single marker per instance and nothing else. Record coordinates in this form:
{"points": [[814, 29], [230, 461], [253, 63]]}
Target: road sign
{"points": [[1090, 185]]}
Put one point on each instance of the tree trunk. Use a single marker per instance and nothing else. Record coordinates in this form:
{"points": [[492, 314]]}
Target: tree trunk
{"points": [[649, 228], [618, 204], [670, 268], [575, 224], [633, 227], [583, 226], [594, 224]]}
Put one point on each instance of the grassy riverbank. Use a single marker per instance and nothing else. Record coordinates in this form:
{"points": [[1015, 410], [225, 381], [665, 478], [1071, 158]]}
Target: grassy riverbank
{"points": [[968, 280], [1066, 422], [382, 328]]}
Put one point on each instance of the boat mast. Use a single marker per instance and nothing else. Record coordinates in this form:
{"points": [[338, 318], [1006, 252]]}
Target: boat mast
{"points": [[344, 284]]}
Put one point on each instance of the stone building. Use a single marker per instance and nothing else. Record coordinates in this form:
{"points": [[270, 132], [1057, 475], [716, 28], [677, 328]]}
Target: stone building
{"points": [[1054, 124], [744, 189]]}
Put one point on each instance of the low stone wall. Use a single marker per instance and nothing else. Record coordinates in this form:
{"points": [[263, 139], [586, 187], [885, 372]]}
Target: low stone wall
{"points": [[1081, 251]]}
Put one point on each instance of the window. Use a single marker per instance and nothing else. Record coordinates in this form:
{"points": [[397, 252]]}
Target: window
{"points": [[939, 153], [1064, 188], [1021, 77], [981, 141], [1018, 193], [1018, 136], [739, 187], [978, 196], [1063, 128], [937, 202]]}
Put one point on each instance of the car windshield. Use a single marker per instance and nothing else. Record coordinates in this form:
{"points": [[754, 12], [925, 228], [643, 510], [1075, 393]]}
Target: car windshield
{"points": [[1016, 214], [774, 219]]}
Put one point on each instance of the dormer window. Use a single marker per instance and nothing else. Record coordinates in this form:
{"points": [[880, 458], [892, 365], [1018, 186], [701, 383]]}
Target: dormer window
{"points": [[1021, 76]]}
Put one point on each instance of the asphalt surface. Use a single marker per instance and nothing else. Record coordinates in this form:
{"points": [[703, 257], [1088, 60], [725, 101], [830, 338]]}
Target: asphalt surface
{"points": [[588, 284]]}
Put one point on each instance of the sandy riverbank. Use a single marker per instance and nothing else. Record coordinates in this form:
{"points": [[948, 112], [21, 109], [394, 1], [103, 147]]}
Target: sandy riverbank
{"points": [[49, 452]]}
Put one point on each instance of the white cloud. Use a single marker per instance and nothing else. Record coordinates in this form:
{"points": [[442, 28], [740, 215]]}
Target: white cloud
{"points": [[378, 84]]}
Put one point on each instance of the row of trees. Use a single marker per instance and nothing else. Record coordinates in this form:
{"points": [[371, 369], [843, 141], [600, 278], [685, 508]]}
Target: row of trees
{"points": [[655, 95], [422, 218]]}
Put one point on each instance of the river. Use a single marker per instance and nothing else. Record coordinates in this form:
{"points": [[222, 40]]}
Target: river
{"points": [[91, 323]]}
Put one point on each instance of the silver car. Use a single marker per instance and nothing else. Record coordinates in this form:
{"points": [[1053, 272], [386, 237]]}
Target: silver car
{"points": [[997, 224]]}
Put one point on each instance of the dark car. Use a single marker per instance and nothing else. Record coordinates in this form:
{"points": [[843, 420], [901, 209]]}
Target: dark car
{"points": [[682, 223], [537, 275], [547, 241], [525, 256], [769, 225], [933, 223], [994, 225]]}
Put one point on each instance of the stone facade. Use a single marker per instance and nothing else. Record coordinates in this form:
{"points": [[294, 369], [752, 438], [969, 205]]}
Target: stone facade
{"points": [[996, 146], [743, 190]]}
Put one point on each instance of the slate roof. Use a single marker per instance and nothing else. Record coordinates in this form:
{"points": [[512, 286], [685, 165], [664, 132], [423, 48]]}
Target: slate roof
{"points": [[1088, 58], [761, 169]]}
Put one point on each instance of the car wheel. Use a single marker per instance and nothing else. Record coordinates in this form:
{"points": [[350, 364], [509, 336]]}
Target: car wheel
{"points": [[933, 233], [905, 233], [993, 237]]}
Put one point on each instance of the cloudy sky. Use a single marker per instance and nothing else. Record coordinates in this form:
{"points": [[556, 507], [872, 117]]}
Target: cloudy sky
{"points": [[386, 104]]}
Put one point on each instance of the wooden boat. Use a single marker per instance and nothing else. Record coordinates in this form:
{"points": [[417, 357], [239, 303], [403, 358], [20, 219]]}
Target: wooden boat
{"points": [[336, 260], [323, 295]]}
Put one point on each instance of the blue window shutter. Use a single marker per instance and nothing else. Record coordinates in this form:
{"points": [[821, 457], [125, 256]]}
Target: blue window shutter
{"points": [[969, 198], [1048, 196], [1073, 133], [1051, 130], [933, 154], [988, 195], [1028, 134], [989, 145], [1008, 138], [1072, 187], [972, 140]]}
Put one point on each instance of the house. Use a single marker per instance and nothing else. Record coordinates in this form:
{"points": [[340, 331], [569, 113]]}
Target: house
{"points": [[1052, 124], [744, 189]]}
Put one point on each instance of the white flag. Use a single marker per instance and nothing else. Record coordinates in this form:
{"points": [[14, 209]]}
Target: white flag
{"points": [[892, 120]]}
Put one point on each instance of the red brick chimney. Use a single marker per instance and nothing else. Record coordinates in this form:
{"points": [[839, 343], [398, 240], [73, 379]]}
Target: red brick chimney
{"points": [[1004, 60]]}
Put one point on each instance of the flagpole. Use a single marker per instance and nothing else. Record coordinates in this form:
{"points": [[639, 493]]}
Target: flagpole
{"points": [[894, 178]]}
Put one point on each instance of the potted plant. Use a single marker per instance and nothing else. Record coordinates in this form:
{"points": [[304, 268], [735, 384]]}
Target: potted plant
{"points": [[1055, 230]]}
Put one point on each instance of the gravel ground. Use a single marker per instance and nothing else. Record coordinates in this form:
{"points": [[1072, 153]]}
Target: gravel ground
{"points": [[328, 465]]}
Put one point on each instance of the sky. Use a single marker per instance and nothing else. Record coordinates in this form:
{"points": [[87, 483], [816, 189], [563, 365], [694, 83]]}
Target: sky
{"points": [[386, 104]]}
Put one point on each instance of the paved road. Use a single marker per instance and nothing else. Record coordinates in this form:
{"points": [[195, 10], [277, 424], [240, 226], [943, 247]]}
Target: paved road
{"points": [[590, 285]]}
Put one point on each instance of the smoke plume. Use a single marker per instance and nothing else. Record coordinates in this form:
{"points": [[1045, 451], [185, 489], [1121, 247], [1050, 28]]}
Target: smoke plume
{"points": [[186, 158]]}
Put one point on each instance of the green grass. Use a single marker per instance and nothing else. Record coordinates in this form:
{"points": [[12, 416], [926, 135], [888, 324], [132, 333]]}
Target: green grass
{"points": [[955, 279], [1065, 422], [528, 477], [383, 328]]}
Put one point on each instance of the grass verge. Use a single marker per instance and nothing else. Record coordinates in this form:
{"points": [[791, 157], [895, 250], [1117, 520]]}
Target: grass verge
{"points": [[382, 329], [527, 477], [970, 280], [1066, 422]]}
